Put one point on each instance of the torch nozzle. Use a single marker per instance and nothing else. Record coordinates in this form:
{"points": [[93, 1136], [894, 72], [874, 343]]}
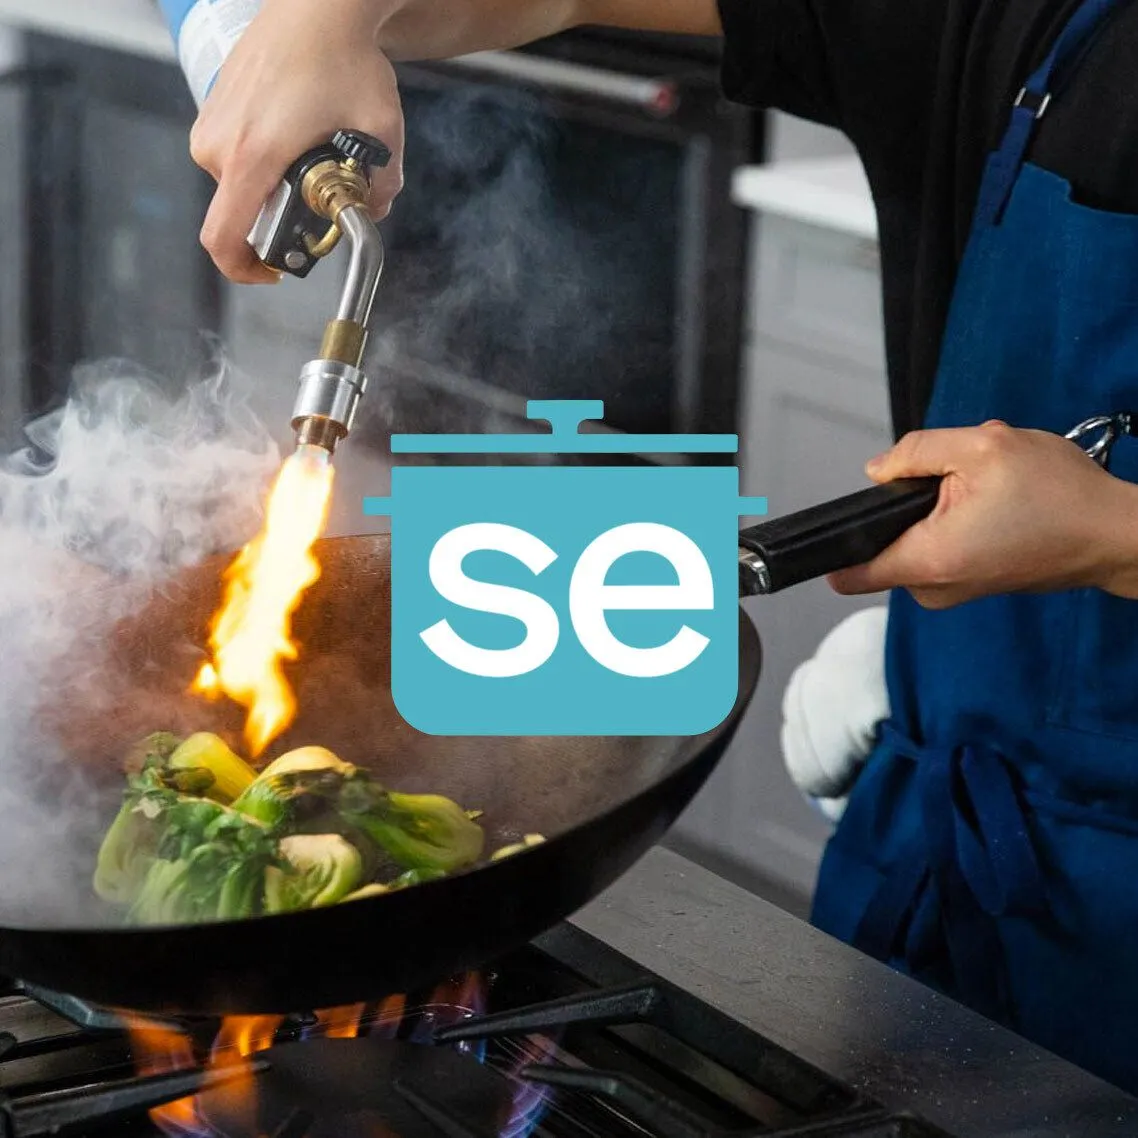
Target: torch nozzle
{"points": [[315, 432], [326, 402], [331, 386]]}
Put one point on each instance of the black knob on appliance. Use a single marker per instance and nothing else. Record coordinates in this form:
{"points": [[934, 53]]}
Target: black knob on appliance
{"points": [[362, 148]]}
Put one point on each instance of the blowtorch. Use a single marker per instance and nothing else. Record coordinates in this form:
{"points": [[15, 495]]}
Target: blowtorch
{"points": [[323, 198]]}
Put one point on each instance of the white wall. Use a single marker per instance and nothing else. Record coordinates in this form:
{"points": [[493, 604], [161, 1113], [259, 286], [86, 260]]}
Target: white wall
{"points": [[791, 140]]}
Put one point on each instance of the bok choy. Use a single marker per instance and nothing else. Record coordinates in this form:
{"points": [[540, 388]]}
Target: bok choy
{"points": [[200, 836]]}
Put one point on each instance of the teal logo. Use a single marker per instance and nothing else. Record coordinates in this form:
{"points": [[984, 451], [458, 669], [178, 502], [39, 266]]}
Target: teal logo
{"points": [[564, 600]]}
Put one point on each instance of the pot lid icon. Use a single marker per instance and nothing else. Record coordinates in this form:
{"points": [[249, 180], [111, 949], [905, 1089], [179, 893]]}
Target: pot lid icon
{"points": [[565, 418]]}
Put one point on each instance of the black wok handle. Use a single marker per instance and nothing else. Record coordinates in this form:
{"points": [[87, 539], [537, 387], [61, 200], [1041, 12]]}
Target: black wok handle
{"points": [[835, 535]]}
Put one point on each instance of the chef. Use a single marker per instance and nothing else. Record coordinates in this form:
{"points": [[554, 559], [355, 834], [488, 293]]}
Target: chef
{"points": [[987, 788]]}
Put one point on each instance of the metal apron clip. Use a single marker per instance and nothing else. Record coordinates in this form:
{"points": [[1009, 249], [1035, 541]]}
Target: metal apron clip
{"points": [[1104, 431]]}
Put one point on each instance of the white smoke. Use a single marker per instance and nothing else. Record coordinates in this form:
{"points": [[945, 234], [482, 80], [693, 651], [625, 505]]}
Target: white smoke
{"points": [[137, 480], [128, 483], [500, 271]]}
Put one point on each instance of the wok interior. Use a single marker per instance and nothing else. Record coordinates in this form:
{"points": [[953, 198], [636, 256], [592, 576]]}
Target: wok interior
{"points": [[342, 684]]}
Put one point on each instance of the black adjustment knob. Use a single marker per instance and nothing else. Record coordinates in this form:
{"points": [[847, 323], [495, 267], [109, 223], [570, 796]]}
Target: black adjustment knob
{"points": [[361, 148]]}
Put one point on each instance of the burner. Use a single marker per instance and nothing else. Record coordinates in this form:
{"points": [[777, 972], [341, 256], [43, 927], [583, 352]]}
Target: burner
{"points": [[543, 1045], [344, 1088]]}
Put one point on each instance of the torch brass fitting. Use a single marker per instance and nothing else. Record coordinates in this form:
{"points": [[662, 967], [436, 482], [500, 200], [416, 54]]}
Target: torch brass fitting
{"points": [[344, 341], [328, 189]]}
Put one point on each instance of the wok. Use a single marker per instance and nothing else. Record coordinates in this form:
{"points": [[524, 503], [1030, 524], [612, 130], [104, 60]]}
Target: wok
{"points": [[601, 802]]}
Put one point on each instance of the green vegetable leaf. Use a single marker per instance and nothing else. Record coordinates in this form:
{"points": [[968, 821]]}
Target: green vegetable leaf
{"points": [[128, 848], [287, 800], [154, 750], [418, 831], [297, 787], [204, 751], [163, 898], [199, 838], [315, 870], [209, 863]]}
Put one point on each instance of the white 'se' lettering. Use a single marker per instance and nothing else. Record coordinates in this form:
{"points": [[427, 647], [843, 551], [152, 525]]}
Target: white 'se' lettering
{"points": [[449, 580], [590, 597]]}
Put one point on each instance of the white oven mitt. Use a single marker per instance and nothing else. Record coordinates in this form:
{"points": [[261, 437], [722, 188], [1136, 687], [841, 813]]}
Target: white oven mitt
{"points": [[831, 708]]}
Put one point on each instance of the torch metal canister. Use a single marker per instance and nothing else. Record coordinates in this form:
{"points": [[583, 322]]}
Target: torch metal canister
{"points": [[321, 199], [205, 32]]}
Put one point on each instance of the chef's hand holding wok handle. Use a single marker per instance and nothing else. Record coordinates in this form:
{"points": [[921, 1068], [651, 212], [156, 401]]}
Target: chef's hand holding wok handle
{"points": [[835, 535]]}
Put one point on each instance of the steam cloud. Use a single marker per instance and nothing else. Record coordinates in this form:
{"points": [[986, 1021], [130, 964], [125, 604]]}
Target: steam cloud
{"points": [[517, 257], [128, 482]]}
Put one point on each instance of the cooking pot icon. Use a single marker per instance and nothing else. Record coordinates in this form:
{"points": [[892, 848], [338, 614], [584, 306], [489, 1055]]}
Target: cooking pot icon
{"points": [[565, 600]]}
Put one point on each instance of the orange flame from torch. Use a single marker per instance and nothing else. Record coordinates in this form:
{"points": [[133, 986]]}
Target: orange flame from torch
{"points": [[250, 636]]}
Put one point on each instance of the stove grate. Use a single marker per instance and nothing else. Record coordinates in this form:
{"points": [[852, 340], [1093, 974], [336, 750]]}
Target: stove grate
{"points": [[631, 1060], [76, 1111]]}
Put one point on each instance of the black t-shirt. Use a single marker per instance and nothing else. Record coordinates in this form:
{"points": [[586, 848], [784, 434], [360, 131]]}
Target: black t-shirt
{"points": [[923, 89]]}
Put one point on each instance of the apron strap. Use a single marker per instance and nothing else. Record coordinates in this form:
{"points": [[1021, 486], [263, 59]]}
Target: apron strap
{"points": [[1030, 104], [975, 850]]}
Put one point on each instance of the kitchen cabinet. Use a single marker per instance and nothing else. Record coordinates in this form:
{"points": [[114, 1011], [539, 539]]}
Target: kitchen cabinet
{"points": [[815, 408]]}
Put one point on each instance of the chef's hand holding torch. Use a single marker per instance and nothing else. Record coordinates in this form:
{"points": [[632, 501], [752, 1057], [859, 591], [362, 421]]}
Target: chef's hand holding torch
{"points": [[300, 72], [306, 68]]}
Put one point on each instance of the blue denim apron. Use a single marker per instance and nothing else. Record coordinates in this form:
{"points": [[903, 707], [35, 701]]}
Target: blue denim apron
{"points": [[990, 845]]}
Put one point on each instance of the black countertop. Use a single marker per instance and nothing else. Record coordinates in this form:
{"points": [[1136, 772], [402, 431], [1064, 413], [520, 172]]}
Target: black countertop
{"points": [[848, 1015]]}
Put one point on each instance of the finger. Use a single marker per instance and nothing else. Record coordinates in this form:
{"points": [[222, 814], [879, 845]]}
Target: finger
{"points": [[938, 599], [235, 206], [203, 153], [852, 582], [937, 452], [916, 454], [860, 580], [386, 185], [908, 563]]}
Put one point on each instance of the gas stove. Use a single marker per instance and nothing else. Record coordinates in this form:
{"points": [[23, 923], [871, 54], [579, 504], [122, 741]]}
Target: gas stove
{"points": [[533, 1046], [676, 1006]]}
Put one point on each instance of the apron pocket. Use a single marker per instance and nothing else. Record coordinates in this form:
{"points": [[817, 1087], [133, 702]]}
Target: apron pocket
{"points": [[1097, 680]]}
